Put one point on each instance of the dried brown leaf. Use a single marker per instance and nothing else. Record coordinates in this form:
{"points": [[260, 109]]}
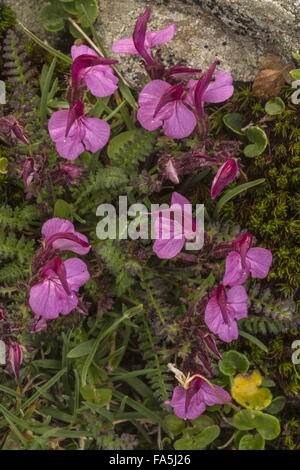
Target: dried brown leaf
{"points": [[269, 81]]}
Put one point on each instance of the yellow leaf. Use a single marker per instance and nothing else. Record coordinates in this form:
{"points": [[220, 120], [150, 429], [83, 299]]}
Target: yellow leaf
{"points": [[247, 392]]}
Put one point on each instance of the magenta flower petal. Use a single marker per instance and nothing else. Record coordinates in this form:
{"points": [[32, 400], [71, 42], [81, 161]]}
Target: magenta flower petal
{"points": [[181, 122], [210, 398], [156, 38], [56, 225], [96, 133], [237, 300], [170, 239], [77, 273], [57, 125], [223, 308], [177, 198], [55, 229], [201, 88], [101, 81], [124, 46], [139, 37], [149, 99], [259, 260], [76, 51], [48, 299], [214, 320], [225, 175], [219, 90], [196, 406], [235, 272]]}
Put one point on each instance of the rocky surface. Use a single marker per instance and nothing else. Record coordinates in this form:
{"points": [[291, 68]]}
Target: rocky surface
{"points": [[237, 32]]}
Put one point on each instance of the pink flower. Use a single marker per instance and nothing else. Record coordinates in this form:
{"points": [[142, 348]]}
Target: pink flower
{"points": [[223, 309], [205, 90], [73, 132], [161, 104], [143, 41], [191, 402], [60, 234], [15, 356], [56, 293], [171, 234], [94, 70], [225, 175], [244, 261]]}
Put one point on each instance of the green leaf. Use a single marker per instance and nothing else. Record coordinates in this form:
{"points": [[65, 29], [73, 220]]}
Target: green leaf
{"points": [[75, 33], [231, 193], [98, 396], [46, 46], [260, 141], [3, 165], [274, 106], [174, 424], [127, 95], [233, 362], [89, 13], [235, 122], [128, 314], [252, 442], [198, 441], [45, 90], [276, 406], [267, 425], [120, 140], [202, 422], [295, 74], [52, 16], [81, 350], [62, 209], [254, 340]]}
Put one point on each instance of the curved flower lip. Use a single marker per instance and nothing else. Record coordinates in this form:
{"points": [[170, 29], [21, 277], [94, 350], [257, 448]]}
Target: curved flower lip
{"points": [[143, 41], [181, 71], [57, 232], [139, 36], [57, 266], [225, 175], [66, 236], [84, 61], [202, 85], [172, 94], [74, 113]]}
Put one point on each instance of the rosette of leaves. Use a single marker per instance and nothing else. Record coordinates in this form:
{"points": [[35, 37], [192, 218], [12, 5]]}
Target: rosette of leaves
{"points": [[55, 13]]}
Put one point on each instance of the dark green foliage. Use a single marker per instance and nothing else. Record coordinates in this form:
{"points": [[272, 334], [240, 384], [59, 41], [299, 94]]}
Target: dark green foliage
{"points": [[272, 211]]}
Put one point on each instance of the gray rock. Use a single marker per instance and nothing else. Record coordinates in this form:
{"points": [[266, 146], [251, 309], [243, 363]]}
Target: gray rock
{"points": [[237, 32]]}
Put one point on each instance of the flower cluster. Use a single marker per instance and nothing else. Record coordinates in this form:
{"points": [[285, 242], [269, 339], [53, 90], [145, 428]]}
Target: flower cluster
{"points": [[72, 131], [225, 307], [56, 283]]}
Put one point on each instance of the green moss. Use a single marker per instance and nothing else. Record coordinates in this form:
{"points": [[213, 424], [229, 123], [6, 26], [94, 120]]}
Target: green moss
{"points": [[7, 20], [271, 212]]}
